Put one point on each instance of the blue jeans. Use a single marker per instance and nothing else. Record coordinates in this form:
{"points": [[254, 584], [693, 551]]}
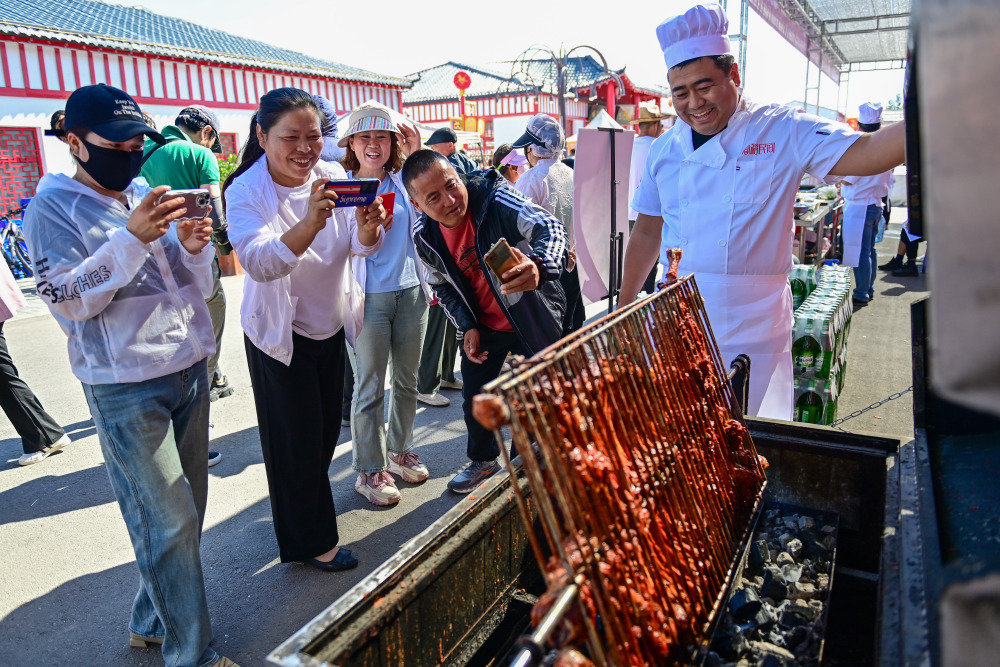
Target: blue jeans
{"points": [[154, 437], [394, 328], [864, 272]]}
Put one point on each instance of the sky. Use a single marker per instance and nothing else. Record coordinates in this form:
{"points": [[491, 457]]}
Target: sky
{"points": [[402, 37]]}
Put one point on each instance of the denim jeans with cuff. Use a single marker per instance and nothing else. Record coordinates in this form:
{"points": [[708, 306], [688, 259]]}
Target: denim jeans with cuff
{"points": [[154, 438], [864, 272]]}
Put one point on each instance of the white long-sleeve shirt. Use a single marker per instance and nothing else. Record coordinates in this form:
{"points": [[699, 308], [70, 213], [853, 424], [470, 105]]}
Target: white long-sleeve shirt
{"points": [[282, 292], [867, 190], [133, 311]]}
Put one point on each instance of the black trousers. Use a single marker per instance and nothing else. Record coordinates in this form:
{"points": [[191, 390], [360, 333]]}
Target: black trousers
{"points": [[217, 309], [575, 313], [482, 446], [437, 358], [36, 427], [912, 247], [298, 415]]}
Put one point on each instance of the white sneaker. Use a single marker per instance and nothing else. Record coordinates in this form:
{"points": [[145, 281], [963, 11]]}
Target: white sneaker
{"points": [[378, 487], [435, 399], [35, 457], [453, 384], [408, 466]]}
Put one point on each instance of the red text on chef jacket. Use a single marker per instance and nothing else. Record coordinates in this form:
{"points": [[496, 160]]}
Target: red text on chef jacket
{"points": [[758, 149]]}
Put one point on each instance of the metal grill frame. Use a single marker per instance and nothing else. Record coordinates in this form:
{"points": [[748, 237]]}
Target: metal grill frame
{"points": [[634, 320]]}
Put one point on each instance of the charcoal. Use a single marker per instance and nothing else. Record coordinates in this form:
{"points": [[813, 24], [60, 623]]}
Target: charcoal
{"points": [[792, 616], [801, 591], [713, 659], [798, 638], [744, 604], [817, 607], [806, 608], [774, 584], [772, 655], [759, 554], [814, 548], [765, 618], [776, 616], [792, 572]]}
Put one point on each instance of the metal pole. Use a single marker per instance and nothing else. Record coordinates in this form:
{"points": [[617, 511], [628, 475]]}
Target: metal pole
{"points": [[561, 85], [614, 270]]}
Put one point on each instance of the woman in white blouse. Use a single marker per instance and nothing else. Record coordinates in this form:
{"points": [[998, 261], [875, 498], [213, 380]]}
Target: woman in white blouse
{"points": [[295, 248]]}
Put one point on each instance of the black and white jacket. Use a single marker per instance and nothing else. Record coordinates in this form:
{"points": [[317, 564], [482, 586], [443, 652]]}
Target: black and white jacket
{"points": [[500, 211]]}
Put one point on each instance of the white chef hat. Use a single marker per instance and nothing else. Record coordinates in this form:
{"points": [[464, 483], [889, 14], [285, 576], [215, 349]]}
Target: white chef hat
{"points": [[702, 30], [870, 113]]}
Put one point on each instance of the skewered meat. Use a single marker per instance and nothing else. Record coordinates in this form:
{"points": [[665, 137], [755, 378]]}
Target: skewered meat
{"points": [[644, 477]]}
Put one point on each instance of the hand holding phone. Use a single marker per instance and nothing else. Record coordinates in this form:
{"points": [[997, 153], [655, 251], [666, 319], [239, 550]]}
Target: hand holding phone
{"points": [[197, 202], [500, 259]]}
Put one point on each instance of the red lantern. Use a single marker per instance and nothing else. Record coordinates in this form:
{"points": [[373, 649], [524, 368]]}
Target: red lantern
{"points": [[462, 80]]}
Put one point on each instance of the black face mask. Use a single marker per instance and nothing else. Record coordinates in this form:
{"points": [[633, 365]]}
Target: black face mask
{"points": [[113, 169]]}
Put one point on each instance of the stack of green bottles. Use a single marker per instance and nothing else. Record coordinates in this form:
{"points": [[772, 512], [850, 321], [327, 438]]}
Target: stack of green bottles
{"points": [[803, 279], [819, 349]]}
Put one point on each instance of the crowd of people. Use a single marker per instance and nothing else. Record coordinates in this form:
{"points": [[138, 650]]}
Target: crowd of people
{"points": [[132, 277], [337, 297]]}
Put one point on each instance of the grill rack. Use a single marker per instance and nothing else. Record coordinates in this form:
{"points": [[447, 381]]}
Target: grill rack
{"points": [[650, 375]]}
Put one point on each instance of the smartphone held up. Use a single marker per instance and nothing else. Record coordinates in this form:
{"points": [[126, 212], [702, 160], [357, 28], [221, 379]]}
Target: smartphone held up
{"points": [[354, 191], [197, 202], [501, 259]]}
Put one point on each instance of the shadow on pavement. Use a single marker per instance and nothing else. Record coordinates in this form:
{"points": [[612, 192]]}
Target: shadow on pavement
{"points": [[255, 601]]}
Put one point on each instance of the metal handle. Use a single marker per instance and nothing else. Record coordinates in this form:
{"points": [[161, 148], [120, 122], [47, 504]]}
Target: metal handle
{"points": [[533, 646]]}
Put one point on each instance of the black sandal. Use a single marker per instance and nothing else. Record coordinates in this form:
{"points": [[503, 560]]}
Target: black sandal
{"points": [[343, 560]]}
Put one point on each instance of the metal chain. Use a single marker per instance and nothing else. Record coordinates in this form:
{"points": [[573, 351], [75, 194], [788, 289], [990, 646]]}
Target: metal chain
{"points": [[858, 413]]}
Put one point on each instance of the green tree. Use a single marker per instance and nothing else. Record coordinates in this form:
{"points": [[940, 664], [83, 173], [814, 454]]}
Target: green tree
{"points": [[896, 104]]}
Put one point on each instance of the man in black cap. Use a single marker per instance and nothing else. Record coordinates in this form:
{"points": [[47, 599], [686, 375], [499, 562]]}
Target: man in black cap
{"points": [[188, 160], [443, 141]]}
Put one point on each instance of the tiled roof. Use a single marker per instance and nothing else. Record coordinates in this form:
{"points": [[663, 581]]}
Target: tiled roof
{"points": [[98, 24], [437, 83], [501, 77]]}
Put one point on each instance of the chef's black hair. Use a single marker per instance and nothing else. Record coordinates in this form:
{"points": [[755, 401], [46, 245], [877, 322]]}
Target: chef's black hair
{"points": [[724, 62]]}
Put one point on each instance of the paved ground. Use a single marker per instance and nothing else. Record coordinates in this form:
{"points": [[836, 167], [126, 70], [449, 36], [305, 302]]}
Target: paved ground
{"points": [[67, 574]]}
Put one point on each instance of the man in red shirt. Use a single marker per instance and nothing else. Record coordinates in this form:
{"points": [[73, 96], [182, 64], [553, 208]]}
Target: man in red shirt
{"points": [[463, 216]]}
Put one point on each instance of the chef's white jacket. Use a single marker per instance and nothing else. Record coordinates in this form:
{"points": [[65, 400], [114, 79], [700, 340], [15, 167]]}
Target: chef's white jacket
{"points": [[863, 192], [729, 207]]}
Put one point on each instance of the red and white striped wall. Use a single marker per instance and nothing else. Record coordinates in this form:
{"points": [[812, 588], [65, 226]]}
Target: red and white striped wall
{"points": [[51, 70], [495, 107]]}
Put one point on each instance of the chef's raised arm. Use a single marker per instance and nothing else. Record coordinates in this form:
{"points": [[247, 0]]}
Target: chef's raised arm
{"points": [[874, 153], [640, 255]]}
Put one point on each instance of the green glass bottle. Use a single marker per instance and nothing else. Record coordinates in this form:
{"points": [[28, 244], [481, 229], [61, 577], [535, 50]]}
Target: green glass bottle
{"points": [[809, 406]]}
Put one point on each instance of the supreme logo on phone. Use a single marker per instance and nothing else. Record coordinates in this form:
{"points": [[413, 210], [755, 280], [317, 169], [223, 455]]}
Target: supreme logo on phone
{"points": [[354, 191]]}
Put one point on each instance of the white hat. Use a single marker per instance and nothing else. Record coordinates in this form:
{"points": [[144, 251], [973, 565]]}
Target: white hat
{"points": [[702, 30], [870, 113]]}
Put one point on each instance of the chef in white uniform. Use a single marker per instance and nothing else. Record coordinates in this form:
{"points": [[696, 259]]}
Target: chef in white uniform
{"points": [[721, 186], [862, 213]]}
